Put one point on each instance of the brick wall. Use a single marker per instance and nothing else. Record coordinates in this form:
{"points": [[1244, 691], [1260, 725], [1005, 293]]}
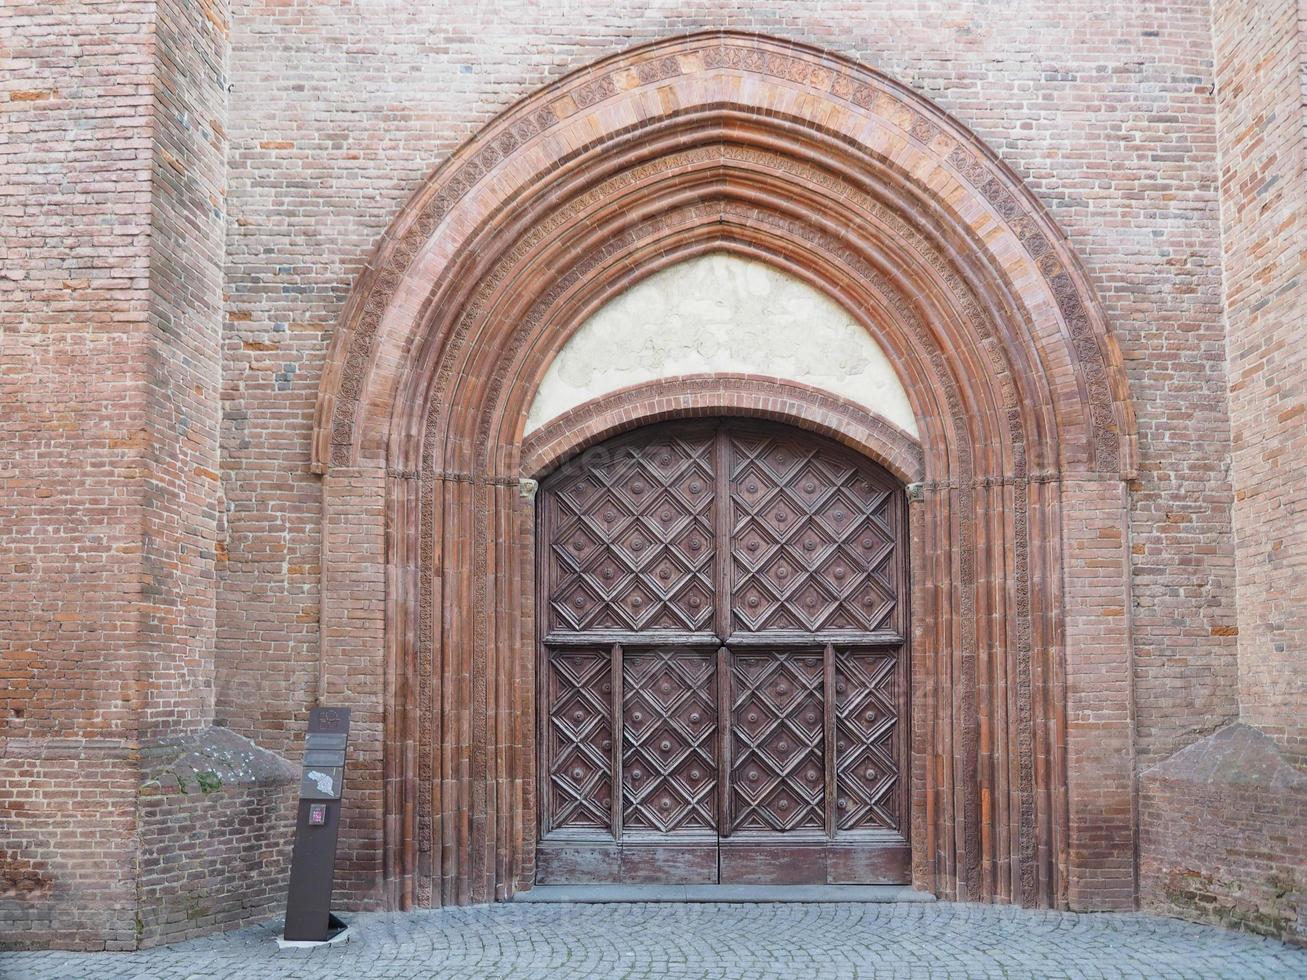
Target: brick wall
{"points": [[157, 510], [354, 671], [337, 113], [216, 814], [67, 844], [1261, 59], [74, 249], [213, 861], [74, 296], [1100, 709], [1222, 821], [183, 371], [1224, 835], [112, 178]]}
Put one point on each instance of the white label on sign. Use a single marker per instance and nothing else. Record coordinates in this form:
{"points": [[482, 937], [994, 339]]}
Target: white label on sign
{"points": [[322, 781]]}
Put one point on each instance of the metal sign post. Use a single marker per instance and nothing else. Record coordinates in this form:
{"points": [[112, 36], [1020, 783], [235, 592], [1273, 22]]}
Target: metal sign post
{"points": [[313, 862]]}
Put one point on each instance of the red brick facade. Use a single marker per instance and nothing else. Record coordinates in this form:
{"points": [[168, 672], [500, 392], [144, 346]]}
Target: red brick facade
{"points": [[1224, 835], [1261, 51], [114, 182], [264, 375], [1236, 793], [76, 185]]}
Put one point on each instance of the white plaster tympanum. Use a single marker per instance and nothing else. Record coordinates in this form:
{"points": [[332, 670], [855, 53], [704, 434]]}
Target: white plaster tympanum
{"points": [[720, 313]]}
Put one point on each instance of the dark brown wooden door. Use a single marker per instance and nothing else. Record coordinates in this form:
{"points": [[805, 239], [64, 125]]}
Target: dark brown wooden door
{"points": [[723, 682]]}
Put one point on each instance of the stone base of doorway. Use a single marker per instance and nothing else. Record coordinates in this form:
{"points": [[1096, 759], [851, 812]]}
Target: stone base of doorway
{"points": [[739, 894]]}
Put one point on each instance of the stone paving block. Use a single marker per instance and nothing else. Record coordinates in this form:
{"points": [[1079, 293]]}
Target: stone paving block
{"points": [[725, 941]]}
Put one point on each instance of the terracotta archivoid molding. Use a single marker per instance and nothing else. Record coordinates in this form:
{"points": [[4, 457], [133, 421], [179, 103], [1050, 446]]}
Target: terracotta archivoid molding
{"points": [[837, 175], [709, 395]]}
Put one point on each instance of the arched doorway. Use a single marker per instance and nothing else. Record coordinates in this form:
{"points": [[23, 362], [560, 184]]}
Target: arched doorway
{"points": [[722, 670], [1021, 774]]}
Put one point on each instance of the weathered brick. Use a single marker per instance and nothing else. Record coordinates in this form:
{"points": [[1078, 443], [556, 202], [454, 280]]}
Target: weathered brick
{"points": [[188, 194]]}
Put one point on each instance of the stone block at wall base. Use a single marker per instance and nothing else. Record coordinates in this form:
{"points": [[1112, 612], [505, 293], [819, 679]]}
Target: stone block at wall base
{"points": [[1223, 835], [216, 822]]}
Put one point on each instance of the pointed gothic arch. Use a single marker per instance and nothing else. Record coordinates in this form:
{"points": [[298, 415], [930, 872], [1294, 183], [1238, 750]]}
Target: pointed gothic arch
{"points": [[1021, 770]]}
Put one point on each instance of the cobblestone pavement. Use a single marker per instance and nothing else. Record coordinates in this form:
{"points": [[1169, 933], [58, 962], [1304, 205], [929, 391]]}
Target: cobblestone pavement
{"points": [[727, 941]]}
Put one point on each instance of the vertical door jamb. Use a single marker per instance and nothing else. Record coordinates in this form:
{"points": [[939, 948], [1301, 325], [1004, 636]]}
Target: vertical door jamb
{"points": [[722, 533], [617, 735], [828, 732], [723, 743]]}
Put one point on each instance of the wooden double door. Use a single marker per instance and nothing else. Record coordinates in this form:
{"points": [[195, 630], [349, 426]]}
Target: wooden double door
{"points": [[722, 675]]}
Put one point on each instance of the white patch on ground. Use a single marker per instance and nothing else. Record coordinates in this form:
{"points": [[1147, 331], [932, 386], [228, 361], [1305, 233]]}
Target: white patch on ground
{"points": [[721, 314]]}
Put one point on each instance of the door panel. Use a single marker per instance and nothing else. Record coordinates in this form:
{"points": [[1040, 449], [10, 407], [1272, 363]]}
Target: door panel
{"points": [[632, 541], [725, 602], [778, 779], [580, 739], [867, 750], [669, 741], [789, 862], [812, 538]]}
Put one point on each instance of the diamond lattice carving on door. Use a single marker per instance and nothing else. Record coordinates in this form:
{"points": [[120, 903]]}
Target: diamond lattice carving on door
{"points": [[722, 662]]}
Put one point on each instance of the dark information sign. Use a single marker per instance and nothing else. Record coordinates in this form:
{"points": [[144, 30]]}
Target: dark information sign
{"points": [[313, 862]]}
